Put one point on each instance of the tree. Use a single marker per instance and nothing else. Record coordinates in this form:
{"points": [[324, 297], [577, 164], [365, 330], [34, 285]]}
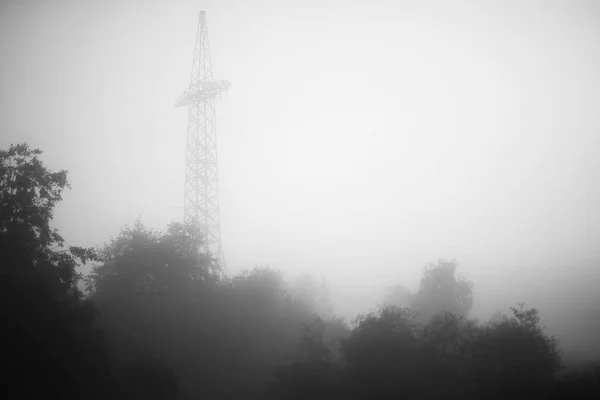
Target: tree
{"points": [[28, 193], [497, 317], [442, 291], [449, 333], [315, 296], [49, 337], [141, 260], [316, 372], [263, 285], [386, 356], [160, 297], [583, 384], [157, 292], [398, 295], [514, 357]]}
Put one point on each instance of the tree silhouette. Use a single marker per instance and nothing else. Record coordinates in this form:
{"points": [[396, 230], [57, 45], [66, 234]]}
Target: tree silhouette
{"points": [[140, 260], [442, 291], [514, 357], [48, 331], [172, 327], [398, 295]]}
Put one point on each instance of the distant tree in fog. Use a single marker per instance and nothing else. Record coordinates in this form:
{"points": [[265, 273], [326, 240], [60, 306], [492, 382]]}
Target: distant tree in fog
{"points": [[315, 295], [398, 295], [442, 291], [497, 317]]}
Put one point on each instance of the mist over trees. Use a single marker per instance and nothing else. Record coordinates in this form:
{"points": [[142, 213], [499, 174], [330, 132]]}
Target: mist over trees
{"points": [[156, 319]]}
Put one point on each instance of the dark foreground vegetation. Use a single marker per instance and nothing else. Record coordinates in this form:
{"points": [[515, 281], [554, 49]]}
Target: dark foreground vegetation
{"points": [[156, 320]]}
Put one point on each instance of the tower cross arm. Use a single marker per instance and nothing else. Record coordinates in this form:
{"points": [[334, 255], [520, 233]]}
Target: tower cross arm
{"points": [[202, 91]]}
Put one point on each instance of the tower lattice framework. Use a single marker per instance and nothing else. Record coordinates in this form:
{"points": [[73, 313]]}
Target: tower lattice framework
{"points": [[201, 199]]}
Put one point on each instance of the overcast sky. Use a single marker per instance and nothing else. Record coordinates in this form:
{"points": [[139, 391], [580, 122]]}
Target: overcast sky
{"points": [[359, 139]]}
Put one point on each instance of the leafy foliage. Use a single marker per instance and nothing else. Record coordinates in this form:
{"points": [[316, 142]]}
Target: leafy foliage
{"points": [[160, 322], [317, 368], [160, 297], [140, 260], [398, 295], [515, 355], [314, 295], [442, 291], [38, 285]]}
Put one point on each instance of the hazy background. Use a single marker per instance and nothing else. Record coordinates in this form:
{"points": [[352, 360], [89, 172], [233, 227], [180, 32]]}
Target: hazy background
{"points": [[359, 140]]}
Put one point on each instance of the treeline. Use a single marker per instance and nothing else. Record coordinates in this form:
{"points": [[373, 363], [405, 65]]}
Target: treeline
{"points": [[155, 319]]}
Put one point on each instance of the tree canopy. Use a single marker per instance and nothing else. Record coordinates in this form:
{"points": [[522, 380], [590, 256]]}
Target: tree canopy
{"points": [[140, 260], [159, 321], [39, 287], [441, 290]]}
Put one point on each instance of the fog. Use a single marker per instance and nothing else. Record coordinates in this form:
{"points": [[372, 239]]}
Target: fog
{"points": [[359, 140]]}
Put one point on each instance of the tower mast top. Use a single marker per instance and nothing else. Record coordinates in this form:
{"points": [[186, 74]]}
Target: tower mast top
{"points": [[202, 86], [201, 198]]}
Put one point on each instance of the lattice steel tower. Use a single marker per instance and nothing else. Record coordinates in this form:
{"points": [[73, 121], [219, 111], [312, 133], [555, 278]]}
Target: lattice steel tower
{"points": [[201, 199]]}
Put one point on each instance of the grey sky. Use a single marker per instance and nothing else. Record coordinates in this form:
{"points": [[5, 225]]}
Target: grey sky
{"points": [[359, 140]]}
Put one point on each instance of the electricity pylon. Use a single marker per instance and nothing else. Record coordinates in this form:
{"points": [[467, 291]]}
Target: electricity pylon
{"points": [[201, 199]]}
